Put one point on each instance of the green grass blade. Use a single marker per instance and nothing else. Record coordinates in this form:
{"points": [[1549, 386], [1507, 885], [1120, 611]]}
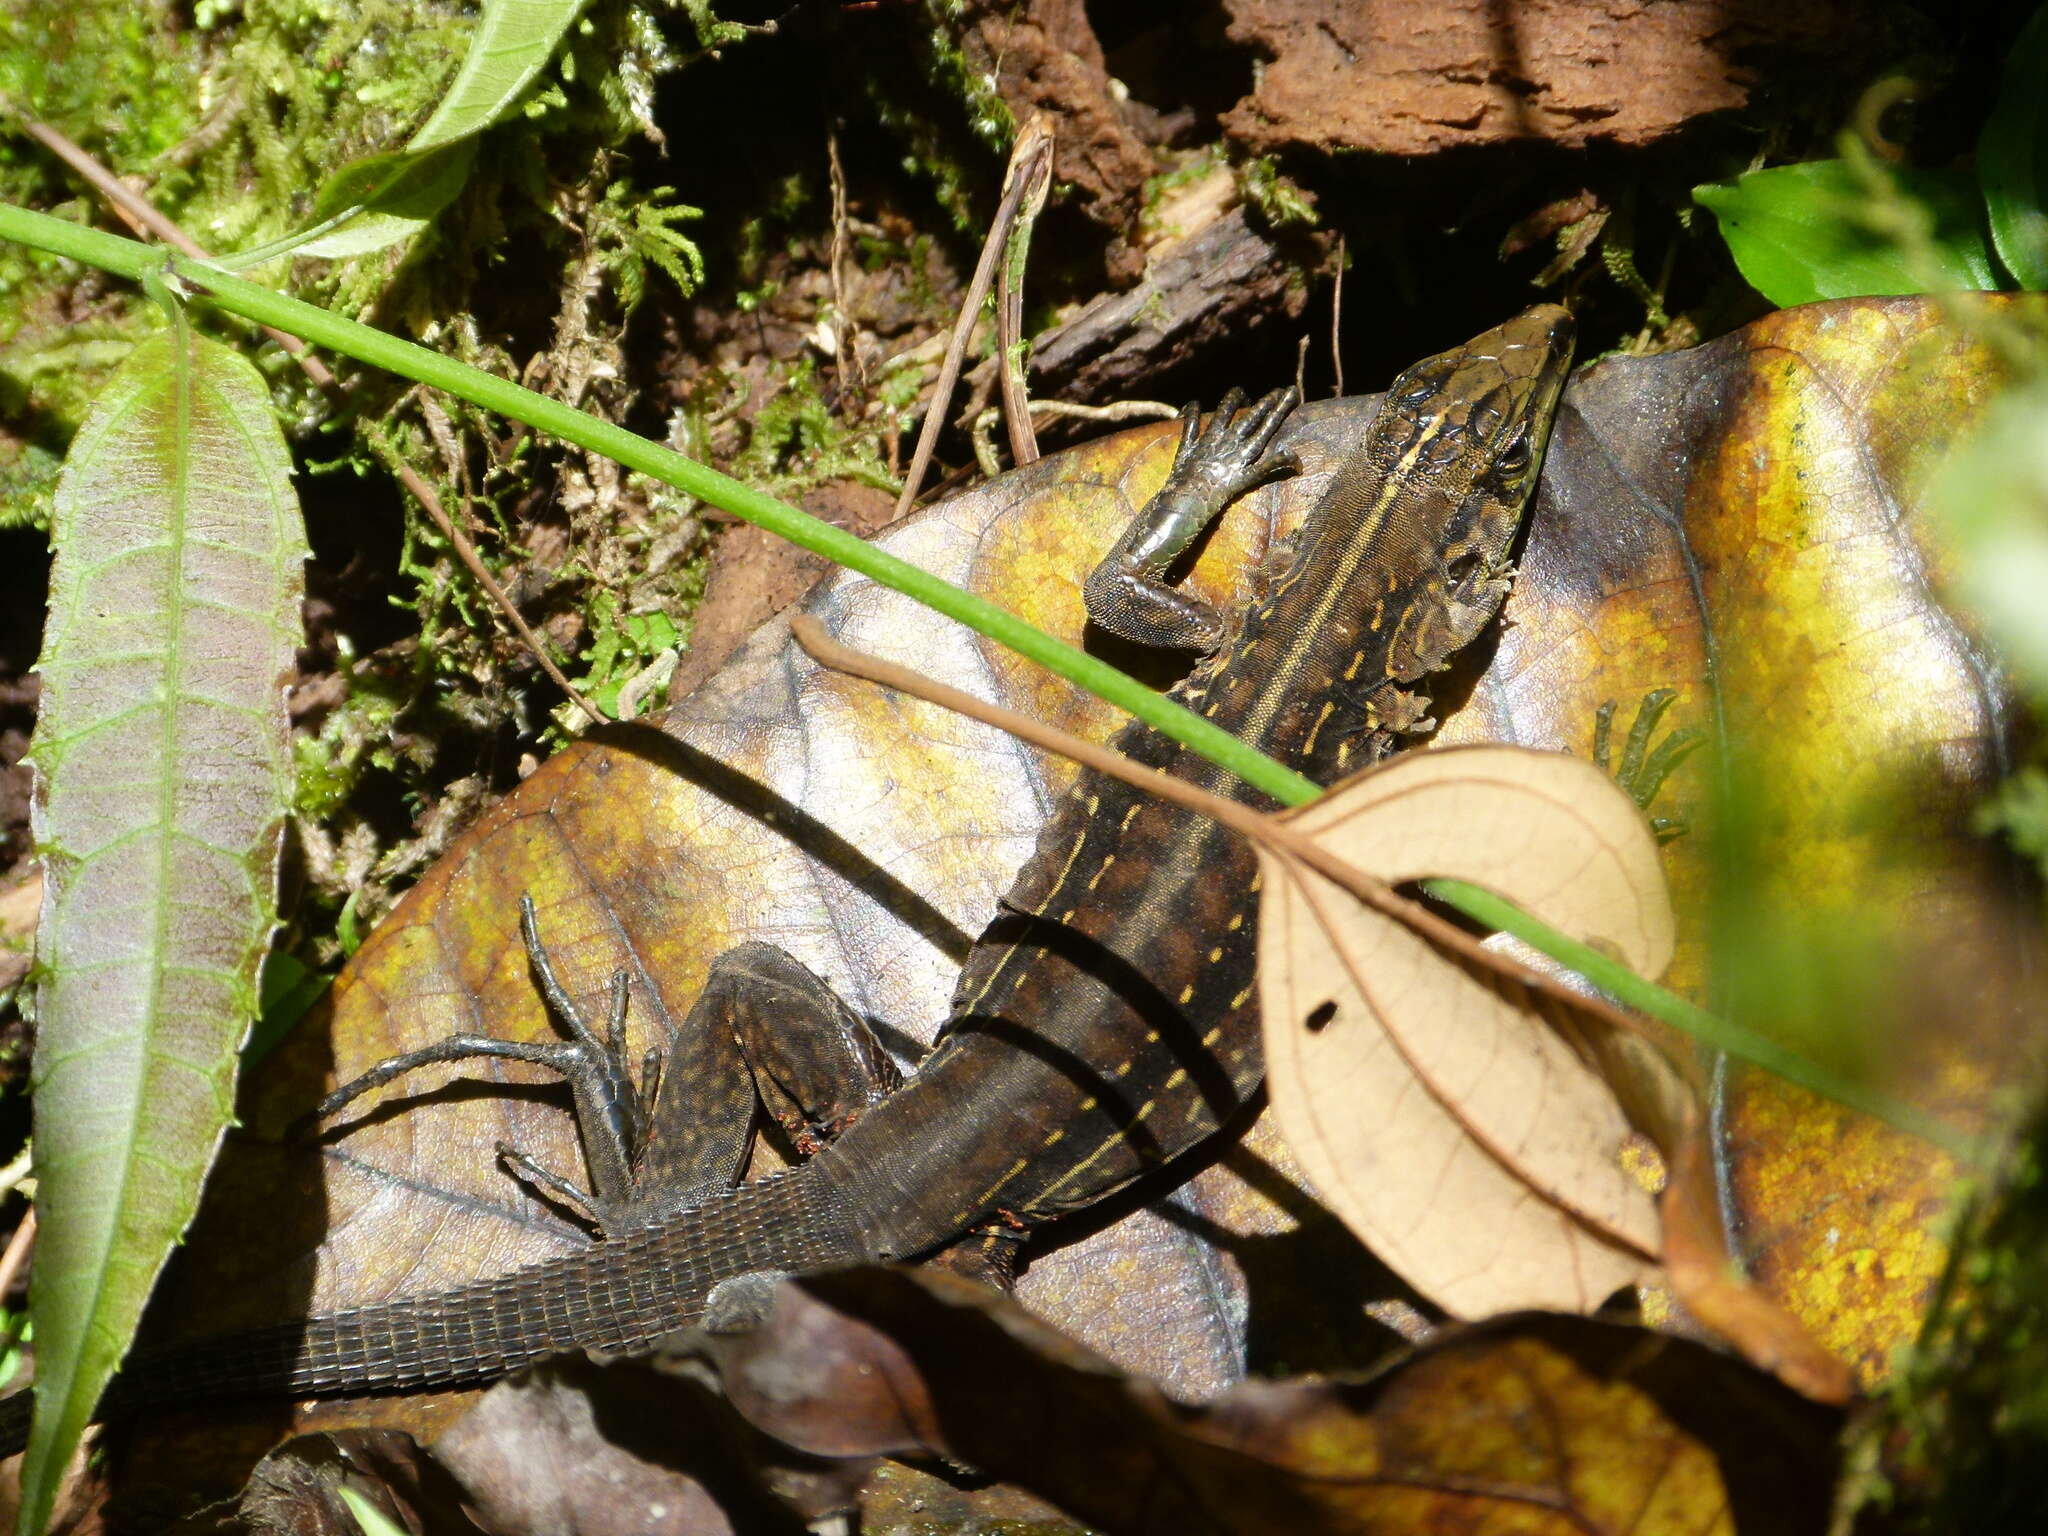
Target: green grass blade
{"points": [[382, 350]]}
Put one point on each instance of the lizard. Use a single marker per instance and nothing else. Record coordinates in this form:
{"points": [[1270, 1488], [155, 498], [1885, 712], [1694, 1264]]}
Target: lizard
{"points": [[1106, 1020]]}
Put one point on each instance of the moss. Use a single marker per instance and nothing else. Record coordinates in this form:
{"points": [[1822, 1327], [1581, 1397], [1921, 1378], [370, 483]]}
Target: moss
{"points": [[955, 167], [117, 80], [955, 73], [1961, 1441], [797, 443], [629, 234], [354, 739], [759, 236], [1280, 201], [229, 119], [622, 645]]}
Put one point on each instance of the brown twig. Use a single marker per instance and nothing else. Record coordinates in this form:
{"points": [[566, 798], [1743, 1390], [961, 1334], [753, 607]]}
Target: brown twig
{"points": [[1337, 321], [465, 551], [1033, 141], [16, 1253], [1032, 161], [836, 267]]}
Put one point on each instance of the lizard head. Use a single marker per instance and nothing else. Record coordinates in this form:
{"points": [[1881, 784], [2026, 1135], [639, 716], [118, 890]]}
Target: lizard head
{"points": [[1466, 432]]}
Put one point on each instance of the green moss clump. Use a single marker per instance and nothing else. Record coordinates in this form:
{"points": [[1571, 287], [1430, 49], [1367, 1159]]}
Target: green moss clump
{"points": [[1962, 1437]]}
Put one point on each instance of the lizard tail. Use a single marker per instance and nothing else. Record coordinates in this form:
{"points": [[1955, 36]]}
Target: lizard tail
{"points": [[622, 1294]]}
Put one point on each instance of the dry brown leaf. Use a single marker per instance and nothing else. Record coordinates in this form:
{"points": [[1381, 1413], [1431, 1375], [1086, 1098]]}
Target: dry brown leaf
{"points": [[1713, 1289], [1461, 1136], [1526, 1424]]}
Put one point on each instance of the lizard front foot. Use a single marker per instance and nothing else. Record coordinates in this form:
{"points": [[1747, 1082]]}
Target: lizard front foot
{"points": [[1127, 593]]}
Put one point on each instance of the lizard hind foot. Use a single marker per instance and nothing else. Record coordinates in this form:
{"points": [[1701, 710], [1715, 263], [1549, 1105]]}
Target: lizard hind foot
{"points": [[611, 1119]]}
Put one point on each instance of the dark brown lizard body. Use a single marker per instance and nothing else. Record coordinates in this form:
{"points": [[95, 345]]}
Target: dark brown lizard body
{"points": [[1106, 1021]]}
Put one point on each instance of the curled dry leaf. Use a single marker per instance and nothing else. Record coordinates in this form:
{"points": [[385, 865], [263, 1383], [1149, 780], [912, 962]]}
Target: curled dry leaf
{"points": [[1472, 1145], [1528, 1423]]}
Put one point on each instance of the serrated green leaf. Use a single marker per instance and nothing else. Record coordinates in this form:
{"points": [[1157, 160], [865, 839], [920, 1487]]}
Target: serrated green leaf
{"points": [[513, 41], [2012, 159], [162, 771], [1801, 233]]}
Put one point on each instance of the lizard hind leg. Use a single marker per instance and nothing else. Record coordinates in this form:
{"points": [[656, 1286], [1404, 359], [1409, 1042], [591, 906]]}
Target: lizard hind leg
{"points": [[764, 1033], [815, 1065]]}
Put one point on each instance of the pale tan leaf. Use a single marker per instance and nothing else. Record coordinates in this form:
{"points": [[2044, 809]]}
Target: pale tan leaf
{"points": [[1472, 1145]]}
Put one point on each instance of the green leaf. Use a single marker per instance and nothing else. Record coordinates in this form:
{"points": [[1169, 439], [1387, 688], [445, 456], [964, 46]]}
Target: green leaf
{"points": [[398, 193], [162, 771], [287, 990], [2012, 158], [513, 42], [1801, 233]]}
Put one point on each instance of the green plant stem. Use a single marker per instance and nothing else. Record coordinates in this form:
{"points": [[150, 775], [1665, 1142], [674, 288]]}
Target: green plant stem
{"points": [[1630, 990], [319, 327]]}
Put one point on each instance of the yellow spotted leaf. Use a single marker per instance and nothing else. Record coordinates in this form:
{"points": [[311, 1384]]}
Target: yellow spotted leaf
{"points": [[1740, 522]]}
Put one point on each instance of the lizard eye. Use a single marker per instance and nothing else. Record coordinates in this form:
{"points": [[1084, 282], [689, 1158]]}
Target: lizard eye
{"points": [[1514, 458]]}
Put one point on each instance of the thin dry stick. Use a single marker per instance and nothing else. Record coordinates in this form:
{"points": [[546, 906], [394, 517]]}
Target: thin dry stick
{"points": [[139, 212], [473, 563], [1121, 410], [1268, 830], [16, 1254], [1034, 156], [1032, 142], [1337, 320], [836, 265]]}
